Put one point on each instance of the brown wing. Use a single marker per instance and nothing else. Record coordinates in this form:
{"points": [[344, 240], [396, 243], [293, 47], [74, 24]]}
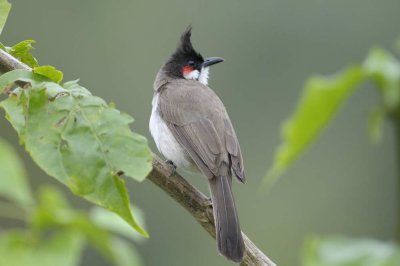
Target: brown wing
{"points": [[205, 132]]}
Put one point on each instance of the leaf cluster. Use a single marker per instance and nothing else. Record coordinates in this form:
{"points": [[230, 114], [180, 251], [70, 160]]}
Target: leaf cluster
{"points": [[77, 138], [55, 233], [84, 143], [321, 99], [323, 96]]}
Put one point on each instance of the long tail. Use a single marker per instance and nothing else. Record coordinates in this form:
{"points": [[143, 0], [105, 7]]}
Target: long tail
{"points": [[229, 237]]}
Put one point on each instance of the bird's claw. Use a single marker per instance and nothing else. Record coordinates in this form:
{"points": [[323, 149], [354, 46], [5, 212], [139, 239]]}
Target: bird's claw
{"points": [[172, 166]]}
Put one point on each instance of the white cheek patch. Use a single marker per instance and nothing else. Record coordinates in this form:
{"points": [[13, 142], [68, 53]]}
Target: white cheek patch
{"points": [[192, 75], [203, 78]]}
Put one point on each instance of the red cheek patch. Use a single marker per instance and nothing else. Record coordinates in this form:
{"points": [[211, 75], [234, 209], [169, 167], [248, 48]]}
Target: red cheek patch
{"points": [[186, 70]]}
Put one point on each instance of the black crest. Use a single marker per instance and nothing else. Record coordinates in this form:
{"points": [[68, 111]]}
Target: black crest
{"points": [[185, 46], [182, 55]]}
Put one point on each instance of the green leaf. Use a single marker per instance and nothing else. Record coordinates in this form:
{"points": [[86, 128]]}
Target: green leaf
{"points": [[2, 47], [322, 97], [21, 51], [10, 77], [112, 222], [118, 251], [124, 254], [341, 251], [19, 248], [384, 69], [375, 123], [5, 7], [80, 140], [14, 112], [50, 72], [13, 182], [54, 212]]}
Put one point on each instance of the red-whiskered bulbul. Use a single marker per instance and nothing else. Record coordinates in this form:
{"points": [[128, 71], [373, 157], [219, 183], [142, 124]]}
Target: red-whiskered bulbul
{"points": [[192, 129]]}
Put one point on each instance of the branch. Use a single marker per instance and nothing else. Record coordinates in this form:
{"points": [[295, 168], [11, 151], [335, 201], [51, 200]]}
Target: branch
{"points": [[175, 186], [200, 207], [8, 63]]}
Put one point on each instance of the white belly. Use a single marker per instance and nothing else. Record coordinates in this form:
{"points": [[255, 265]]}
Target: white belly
{"points": [[165, 141]]}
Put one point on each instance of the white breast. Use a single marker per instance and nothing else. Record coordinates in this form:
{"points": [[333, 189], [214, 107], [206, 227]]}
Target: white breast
{"points": [[165, 141]]}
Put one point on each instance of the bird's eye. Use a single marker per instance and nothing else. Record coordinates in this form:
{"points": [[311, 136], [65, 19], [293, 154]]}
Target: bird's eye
{"points": [[191, 63]]}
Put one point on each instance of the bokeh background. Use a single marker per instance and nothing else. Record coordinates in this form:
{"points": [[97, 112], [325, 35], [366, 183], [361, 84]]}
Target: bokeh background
{"points": [[342, 185]]}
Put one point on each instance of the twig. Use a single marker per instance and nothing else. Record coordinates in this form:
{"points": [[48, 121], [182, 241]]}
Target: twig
{"points": [[176, 187]]}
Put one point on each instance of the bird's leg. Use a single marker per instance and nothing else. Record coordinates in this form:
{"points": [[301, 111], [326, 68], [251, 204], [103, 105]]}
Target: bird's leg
{"points": [[172, 166]]}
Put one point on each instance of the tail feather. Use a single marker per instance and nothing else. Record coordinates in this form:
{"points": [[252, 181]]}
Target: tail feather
{"points": [[229, 236]]}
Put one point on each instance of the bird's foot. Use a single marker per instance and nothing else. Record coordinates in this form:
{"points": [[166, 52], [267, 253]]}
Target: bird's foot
{"points": [[172, 167], [209, 202]]}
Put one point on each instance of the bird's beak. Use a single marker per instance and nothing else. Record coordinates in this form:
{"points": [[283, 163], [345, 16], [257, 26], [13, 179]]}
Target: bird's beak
{"points": [[212, 61]]}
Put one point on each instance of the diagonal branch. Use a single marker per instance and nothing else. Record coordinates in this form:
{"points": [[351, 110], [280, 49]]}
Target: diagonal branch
{"points": [[200, 207], [8, 63], [175, 186]]}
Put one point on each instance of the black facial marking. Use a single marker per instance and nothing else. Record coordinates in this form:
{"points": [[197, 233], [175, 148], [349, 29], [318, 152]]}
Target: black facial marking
{"points": [[184, 55]]}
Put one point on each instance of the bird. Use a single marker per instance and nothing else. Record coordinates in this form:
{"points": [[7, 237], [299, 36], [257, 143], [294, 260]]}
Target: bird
{"points": [[192, 130]]}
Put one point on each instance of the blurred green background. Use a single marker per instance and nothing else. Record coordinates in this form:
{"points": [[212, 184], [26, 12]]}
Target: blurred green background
{"points": [[342, 185]]}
